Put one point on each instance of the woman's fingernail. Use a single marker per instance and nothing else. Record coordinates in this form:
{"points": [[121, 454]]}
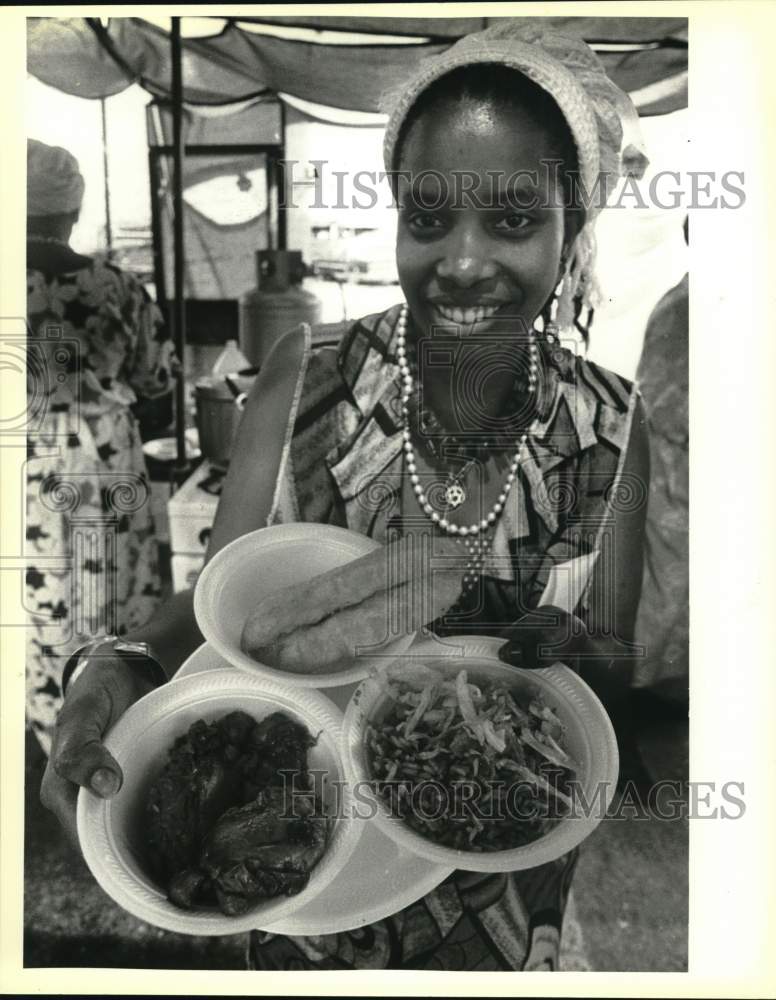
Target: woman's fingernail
{"points": [[105, 782]]}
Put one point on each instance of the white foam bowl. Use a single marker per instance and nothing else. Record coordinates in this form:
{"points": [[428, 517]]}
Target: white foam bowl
{"points": [[111, 832], [263, 561], [588, 738]]}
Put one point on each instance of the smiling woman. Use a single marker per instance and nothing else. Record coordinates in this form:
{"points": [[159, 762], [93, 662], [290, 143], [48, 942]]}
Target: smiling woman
{"points": [[459, 419]]}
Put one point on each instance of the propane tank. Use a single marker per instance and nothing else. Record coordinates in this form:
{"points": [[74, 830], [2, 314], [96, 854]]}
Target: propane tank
{"points": [[278, 304]]}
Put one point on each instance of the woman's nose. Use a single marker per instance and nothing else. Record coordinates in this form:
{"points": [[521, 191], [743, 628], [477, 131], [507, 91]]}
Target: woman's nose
{"points": [[466, 261]]}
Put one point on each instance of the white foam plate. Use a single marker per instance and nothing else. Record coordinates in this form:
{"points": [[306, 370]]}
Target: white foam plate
{"points": [[263, 561], [111, 832], [166, 449], [588, 738]]}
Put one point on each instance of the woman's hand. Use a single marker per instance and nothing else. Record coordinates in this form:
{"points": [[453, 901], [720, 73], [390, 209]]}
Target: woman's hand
{"points": [[96, 699], [543, 637]]}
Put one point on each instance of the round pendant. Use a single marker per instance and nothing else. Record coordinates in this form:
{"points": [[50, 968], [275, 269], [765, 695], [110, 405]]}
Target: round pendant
{"points": [[455, 495]]}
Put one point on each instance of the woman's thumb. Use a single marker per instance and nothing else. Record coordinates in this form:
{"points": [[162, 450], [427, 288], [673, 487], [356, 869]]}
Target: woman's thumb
{"points": [[105, 782], [79, 755]]}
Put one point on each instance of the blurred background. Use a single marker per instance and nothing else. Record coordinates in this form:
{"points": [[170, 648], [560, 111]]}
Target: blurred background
{"points": [[347, 251]]}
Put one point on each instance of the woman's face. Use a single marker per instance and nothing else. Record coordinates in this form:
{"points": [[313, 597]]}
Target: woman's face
{"points": [[481, 219]]}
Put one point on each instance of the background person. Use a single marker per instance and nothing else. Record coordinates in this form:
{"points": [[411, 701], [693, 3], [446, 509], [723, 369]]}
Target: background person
{"points": [[663, 624], [100, 342]]}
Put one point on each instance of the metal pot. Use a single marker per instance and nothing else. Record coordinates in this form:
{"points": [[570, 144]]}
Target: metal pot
{"points": [[219, 405]]}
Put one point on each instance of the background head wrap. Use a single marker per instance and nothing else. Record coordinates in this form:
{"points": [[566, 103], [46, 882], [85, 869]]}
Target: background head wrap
{"points": [[54, 183], [594, 108]]}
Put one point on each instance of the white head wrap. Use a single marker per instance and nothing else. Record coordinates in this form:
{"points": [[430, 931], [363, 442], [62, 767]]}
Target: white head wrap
{"points": [[54, 183], [594, 108]]}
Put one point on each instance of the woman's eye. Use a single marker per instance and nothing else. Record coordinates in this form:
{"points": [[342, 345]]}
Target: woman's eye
{"points": [[513, 223], [425, 221]]}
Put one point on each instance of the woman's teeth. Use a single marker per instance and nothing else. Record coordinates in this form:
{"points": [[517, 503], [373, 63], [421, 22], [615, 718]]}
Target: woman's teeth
{"points": [[472, 314]]}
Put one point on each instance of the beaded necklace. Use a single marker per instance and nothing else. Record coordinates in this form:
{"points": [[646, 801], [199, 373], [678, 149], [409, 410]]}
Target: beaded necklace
{"points": [[476, 537]]}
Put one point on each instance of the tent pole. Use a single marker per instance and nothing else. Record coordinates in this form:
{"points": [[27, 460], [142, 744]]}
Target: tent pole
{"points": [[281, 183], [179, 309], [106, 182]]}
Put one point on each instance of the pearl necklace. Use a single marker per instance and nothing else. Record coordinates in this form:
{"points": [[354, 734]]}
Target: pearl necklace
{"points": [[474, 536]]}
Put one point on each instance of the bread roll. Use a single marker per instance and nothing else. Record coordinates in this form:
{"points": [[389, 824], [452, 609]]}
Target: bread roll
{"points": [[363, 628], [310, 626]]}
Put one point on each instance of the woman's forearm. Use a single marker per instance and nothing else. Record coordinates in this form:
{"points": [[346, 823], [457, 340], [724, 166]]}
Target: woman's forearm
{"points": [[172, 632], [246, 497]]}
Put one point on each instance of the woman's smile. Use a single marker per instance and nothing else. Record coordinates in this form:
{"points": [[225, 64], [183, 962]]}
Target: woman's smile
{"points": [[463, 315]]}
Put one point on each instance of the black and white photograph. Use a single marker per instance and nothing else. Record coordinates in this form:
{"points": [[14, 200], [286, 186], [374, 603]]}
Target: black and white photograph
{"points": [[354, 580]]}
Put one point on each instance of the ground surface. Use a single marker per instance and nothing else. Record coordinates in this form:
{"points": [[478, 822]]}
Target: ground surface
{"points": [[630, 890], [631, 886]]}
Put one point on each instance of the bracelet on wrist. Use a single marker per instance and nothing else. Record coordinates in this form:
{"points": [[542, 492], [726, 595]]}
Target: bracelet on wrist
{"points": [[137, 655]]}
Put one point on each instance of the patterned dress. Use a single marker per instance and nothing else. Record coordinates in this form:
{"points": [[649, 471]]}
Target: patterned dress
{"points": [[343, 464], [95, 340], [663, 623]]}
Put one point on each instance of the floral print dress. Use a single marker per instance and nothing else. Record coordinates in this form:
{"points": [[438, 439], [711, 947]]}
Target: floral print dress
{"points": [[95, 342]]}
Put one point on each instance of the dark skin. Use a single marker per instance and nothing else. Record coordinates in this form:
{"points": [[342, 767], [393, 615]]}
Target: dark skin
{"points": [[59, 226], [478, 258], [481, 264]]}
